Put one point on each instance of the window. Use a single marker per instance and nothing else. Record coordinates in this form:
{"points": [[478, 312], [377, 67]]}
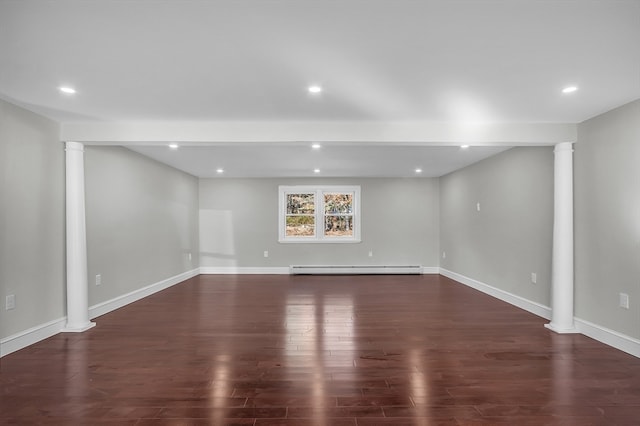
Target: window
{"points": [[319, 214]]}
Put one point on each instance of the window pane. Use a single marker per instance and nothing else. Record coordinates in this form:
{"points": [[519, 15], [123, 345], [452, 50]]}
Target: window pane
{"points": [[338, 226], [301, 203], [338, 203], [300, 226]]}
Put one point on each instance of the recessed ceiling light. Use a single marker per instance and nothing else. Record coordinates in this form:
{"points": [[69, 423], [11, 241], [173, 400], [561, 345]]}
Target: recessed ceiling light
{"points": [[314, 89], [67, 90], [316, 170], [219, 171], [316, 146], [173, 146], [464, 146], [569, 89], [418, 170]]}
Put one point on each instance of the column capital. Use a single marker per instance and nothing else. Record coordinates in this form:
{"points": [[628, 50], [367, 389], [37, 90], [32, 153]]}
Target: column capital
{"points": [[74, 146], [563, 147]]}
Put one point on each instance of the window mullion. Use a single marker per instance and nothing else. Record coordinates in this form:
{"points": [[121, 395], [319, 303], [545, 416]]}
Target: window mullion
{"points": [[320, 214]]}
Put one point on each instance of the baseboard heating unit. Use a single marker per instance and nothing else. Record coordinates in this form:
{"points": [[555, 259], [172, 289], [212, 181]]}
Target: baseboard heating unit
{"points": [[354, 269]]}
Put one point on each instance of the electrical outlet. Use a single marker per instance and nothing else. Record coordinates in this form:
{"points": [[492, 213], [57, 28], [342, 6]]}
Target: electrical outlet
{"points": [[370, 253], [478, 206], [534, 278], [266, 253], [98, 279], [624, 300], [444, 254], [189, 256], [10, 302]]}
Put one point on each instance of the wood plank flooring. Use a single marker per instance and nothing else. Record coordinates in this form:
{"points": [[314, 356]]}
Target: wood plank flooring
{"points": [[319, 350]]}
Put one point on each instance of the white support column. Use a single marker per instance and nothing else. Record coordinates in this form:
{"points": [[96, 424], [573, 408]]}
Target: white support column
{"points": [[562, 262], [77, 290]]}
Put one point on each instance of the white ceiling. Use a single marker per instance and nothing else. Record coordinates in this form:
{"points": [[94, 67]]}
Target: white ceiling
{"points": [[501, 61]]}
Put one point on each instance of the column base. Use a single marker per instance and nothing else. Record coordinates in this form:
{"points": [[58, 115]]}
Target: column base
{"points": [[75, 328], [562, 330]]}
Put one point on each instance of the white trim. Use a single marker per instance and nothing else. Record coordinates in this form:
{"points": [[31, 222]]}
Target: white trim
{"points": [[76, 328], [313, 240], [243, 270], [428, 270], [319, 214], [609, 337], [568, 330], [520, 302], [40, 332], [30, 336], [604, 335], [125, 299]]}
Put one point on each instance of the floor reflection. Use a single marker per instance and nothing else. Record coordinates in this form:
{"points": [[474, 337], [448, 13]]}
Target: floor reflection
{"points": [[419, 385], [320, 331]]}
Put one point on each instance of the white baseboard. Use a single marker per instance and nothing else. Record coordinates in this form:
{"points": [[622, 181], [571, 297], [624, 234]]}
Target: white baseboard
{"points": [[241, 270], [609, 337], [604, 335], [125, 299], [430, 270], [43, 331], [520, 302], [32, 335]]}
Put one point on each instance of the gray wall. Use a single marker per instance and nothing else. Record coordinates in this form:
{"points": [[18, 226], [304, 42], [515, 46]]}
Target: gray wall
{"points": [[142, 221], [239, 221], [511, 236], [32, 262], [607, 219]]}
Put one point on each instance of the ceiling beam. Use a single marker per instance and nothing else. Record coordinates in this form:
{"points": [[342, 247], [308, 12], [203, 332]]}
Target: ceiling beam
{"points": [[408, 133]]}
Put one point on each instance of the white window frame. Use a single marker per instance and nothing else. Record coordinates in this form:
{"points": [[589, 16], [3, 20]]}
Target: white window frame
{"points": [[318, 190]]}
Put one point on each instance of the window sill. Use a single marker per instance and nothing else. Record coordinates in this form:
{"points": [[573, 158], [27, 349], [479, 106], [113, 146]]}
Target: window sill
{"points": [[318, 241]]}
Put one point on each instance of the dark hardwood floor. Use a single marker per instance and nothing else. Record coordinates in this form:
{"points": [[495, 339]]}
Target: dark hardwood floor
{"points": [[320, 350]]}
